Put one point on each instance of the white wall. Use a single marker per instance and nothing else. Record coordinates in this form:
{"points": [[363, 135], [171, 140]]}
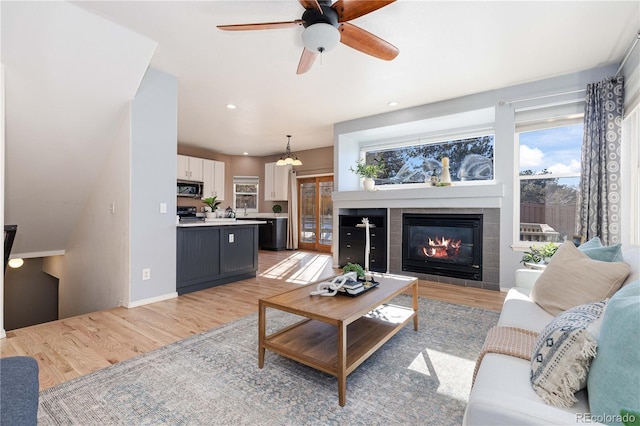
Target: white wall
{"points": [[95, 275], [630, 170], [68, 73], [2, 332], [419, 120], [154, 142]]}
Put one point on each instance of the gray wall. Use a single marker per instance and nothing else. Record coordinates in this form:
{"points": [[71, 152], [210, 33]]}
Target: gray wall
{"points": [[95, 271], [153, 176]]}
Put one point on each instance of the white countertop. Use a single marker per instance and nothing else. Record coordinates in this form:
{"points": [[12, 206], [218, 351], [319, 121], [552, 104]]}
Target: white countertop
{"points": [[220, 222], [259, 216]]}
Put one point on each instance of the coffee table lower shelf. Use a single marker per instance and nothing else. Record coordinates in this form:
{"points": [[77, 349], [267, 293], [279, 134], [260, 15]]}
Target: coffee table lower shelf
{"points": [[315, 343]]}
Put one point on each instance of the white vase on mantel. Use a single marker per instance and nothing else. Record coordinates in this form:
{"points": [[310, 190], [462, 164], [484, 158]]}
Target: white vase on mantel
{"points": [[369, 184]]}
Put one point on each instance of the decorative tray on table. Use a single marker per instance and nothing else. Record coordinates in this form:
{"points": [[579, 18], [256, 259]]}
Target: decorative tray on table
{"points": [[353, 289]]}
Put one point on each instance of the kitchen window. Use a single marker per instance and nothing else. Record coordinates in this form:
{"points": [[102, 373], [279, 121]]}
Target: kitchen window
{"points": [[245, 193]]}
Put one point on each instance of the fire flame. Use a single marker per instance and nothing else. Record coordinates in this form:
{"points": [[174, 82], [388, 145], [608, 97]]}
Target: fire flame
{"points": [[442, 248]]}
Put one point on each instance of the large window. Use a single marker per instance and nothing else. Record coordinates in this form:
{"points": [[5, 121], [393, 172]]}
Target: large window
{"points": [[470, 159], [549, 177], [245, 193]]}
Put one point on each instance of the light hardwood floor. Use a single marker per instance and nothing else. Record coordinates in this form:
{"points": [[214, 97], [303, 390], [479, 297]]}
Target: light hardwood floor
{"points": [[72, 347]]}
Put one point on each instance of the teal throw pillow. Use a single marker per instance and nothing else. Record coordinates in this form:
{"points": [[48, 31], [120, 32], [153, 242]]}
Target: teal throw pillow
{"points": [[614, 378], [596, 251]]}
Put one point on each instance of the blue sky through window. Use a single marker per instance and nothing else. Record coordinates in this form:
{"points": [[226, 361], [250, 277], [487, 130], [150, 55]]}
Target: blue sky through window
{"points": [[555, 149]]}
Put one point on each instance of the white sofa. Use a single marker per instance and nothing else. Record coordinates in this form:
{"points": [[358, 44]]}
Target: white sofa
{"points": [[502, 393]]}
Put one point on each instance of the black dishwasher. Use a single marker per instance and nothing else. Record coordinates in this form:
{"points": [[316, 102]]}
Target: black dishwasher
{"points": [[272, 235]]}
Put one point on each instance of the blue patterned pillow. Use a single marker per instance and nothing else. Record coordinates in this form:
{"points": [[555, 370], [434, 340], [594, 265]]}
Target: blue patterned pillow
{"points": [[595, 250], [562, 354]]}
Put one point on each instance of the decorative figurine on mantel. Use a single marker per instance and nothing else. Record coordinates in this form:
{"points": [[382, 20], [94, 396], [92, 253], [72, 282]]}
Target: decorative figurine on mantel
{"points": [[445, 177]]}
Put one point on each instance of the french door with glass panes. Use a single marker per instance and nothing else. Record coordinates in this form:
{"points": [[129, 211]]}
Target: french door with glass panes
{"points": [[315, 213]]}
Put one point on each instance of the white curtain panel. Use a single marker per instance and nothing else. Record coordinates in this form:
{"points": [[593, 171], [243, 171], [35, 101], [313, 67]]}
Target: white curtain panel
{"points": [[292, 226]]}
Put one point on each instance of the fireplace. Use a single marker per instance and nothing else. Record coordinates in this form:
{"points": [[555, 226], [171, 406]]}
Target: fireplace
{"points": [[443, 244]]}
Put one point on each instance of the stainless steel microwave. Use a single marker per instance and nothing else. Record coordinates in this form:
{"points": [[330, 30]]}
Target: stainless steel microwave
{"points": [[189, 189]]}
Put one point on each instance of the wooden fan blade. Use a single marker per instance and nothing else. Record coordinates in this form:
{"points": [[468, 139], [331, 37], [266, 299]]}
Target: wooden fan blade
{"points": [[311, 4], [365, 42], [263, 26], [352, 9], [306, 61]]}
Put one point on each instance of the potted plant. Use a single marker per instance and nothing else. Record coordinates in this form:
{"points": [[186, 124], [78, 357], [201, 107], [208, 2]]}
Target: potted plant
{"points": [[368, 172], [539, 255], [353, 267], [277, 208], [212, 206]]}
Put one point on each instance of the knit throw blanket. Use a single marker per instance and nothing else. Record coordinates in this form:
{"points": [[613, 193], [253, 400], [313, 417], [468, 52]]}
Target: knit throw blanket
{"points": [[507, 341]]}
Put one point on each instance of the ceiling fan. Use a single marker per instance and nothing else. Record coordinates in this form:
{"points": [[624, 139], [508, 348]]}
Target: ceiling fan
{"points": [[326, 25]]}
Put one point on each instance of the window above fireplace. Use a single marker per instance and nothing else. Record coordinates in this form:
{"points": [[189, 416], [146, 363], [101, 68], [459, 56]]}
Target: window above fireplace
{"points": [[417, 161]]}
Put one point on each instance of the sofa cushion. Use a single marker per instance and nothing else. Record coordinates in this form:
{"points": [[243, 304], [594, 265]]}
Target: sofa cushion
{"points": [[595, 250], [562, 354], [19, 388], [572, 278], [614, 379], [519, 311], [632, 254], [502, 395]]}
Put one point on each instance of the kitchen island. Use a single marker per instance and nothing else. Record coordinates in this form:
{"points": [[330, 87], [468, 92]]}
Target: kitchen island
{"points": [[215, 252]]}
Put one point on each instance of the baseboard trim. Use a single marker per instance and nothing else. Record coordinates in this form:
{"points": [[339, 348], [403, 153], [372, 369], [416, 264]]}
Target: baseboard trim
{"points": [[150, 300]]}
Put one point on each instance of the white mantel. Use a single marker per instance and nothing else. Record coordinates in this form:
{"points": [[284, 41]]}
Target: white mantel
{"points": [[458, 196]]}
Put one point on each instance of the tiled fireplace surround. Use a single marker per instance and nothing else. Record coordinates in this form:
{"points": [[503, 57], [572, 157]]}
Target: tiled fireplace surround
{"points": [[490, 246]]}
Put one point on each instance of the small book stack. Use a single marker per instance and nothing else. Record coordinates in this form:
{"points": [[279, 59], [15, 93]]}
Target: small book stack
{"points": [[353, 287]]}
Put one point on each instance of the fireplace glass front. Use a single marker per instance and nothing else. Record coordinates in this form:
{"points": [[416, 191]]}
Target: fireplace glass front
{"points": [[443, 244]]}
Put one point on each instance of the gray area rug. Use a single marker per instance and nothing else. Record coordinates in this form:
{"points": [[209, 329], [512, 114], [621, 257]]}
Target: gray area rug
{"points": [[213, 378]]}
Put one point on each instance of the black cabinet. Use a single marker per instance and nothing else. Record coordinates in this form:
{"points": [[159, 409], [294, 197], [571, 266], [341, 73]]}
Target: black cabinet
{"points": [[352, 239], [212, 255]]}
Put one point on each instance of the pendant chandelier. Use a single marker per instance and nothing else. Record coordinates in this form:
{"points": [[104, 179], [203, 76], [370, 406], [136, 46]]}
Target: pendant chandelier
{"points": [[289, 158]]}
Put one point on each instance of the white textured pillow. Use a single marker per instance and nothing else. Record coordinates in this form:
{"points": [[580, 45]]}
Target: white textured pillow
{"points": [[562, 355], [572, 278]]}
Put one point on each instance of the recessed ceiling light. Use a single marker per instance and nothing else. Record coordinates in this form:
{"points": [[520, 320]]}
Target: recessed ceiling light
{"points": [[393, 103], [16, 263], [245, 153], [231, 106]]}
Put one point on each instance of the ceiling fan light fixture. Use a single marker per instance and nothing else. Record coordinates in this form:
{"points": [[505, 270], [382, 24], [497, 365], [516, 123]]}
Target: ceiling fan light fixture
{"points": [[288, 158], [320, 37]]}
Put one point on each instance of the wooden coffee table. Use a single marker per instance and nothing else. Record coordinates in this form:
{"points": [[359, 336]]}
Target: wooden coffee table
{"points": [[338, 333]]}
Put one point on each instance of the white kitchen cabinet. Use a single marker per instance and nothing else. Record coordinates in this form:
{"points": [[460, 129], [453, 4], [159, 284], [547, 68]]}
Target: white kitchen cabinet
{"points": [[213, 179], [189, 168], [276, 182]]}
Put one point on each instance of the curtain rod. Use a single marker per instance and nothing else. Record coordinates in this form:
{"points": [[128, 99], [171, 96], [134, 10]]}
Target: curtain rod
{"points": [[632, 46], [502, 103]]}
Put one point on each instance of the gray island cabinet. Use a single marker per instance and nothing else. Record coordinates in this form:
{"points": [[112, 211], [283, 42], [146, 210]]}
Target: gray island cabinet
{"points": [[214, 254]]}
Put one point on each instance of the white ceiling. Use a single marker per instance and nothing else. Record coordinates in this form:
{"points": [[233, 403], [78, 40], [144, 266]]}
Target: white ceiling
{"points": [[447, 49]]}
